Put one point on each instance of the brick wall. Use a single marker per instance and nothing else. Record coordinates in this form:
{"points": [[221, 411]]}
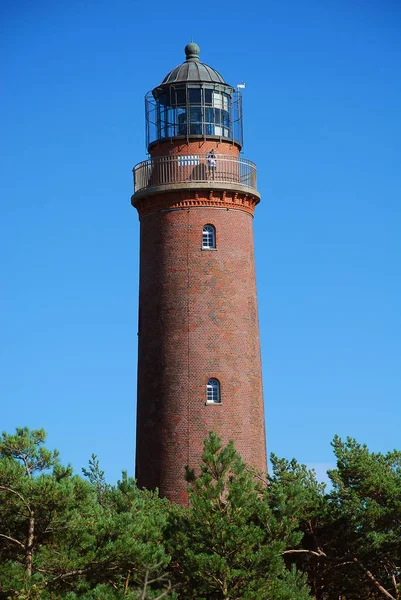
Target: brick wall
{"points": [[198, 319], [180, 147]]}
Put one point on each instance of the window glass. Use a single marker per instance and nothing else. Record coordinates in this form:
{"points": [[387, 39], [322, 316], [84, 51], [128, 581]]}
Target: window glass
{"points": [[195, 129], [193, 110], [196, 113], [194, 95], [209, 115], [213, 392], [208, 96], [182, 121], [195, 118], [180, 96], [208, 237], [191, 160], [217, 100]]}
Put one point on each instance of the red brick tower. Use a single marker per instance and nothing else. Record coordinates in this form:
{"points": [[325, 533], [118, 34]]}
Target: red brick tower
{"points": [[199, 366]]}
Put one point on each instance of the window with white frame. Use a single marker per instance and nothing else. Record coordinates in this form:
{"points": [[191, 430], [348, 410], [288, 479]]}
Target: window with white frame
{"points": [[208, 236], [213, 391], [190, 160]]}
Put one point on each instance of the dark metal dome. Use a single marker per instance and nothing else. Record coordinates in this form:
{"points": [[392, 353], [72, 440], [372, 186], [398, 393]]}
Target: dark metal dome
{"points": [[192, 69]]}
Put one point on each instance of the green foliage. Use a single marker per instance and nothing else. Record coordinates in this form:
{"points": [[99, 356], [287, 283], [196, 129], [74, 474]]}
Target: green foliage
{"points": [[295, 497], [96, 477], [26, 448], [366, 508], [60, 533], [244, 535], [222, 546], [351, 536]]}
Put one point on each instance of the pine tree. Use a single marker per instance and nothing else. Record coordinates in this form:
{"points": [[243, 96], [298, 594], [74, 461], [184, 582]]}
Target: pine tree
{"points": [[39, 501], [62, 536], [351, 535], [222, 546]]}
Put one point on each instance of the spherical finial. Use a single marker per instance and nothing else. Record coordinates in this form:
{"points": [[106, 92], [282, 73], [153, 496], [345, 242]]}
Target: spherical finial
{"points": [[192, 51]]}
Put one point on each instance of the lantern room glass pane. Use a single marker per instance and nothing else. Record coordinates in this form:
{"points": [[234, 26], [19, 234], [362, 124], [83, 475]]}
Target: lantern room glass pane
{"points": [[195, 118], [194, 95], [193, 110], [208, 96], [180, 96]]}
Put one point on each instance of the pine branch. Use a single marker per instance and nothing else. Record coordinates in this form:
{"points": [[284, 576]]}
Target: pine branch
{"points": [[318, 553], [373, 579], [167, 591], [143, 595], [13, 540], [257, 475], [20, 496]]}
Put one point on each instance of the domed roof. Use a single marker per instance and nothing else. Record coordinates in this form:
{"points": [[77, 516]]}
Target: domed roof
{"points": [[192, 69]]}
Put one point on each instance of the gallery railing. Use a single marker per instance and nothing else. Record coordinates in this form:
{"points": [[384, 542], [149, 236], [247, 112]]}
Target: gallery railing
{"points": [[198, 168]]}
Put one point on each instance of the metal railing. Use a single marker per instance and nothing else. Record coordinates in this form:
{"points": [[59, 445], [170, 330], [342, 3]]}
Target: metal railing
{"points": [[194, 168]]}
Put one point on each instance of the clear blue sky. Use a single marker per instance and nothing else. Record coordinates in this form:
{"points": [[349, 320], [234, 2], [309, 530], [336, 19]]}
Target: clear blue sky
{"points": [[322, 122]]}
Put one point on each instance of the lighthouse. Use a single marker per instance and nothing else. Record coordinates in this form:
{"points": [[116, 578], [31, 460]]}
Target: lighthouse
{"points": [[199, 363]]}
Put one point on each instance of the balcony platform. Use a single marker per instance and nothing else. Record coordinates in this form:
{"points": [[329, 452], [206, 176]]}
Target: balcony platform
{"points": [[191, 172]]}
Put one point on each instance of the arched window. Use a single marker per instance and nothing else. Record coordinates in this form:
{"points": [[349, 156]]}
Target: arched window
{"points": [[208, 236], [213, 392]]}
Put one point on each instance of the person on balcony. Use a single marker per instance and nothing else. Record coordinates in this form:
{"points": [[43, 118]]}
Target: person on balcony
{"points": [[211, 162]]}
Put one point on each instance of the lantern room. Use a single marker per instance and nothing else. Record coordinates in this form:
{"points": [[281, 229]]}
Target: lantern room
{"points": [[193, 102]]}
